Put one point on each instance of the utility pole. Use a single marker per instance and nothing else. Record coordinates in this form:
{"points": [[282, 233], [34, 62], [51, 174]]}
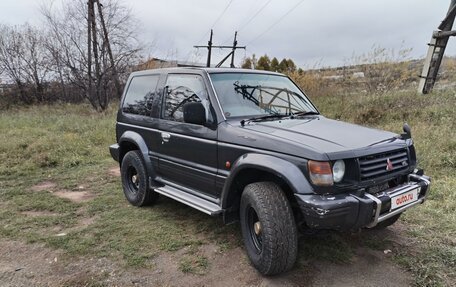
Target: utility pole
{"points": [[92, 47], [233, 49], [89, 47], [436, 51], [209, 48], [95, 46], [108, 46]]}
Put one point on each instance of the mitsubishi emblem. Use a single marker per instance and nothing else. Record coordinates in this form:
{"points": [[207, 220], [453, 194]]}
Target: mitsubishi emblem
{"points": [[389, 165]]}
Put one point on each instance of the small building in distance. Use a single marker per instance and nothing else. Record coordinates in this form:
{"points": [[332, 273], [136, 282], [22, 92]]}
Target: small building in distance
{"points": [[156, 63]]}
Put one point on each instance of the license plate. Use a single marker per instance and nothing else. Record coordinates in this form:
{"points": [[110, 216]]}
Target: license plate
{"points": [[404, 198]]}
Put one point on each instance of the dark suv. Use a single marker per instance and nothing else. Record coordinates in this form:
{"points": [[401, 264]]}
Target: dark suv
{"points": [[251, 147]]}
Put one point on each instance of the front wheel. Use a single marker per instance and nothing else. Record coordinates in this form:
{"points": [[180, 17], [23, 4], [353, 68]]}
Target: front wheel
{"points": [[268, 228], [135, 181]]}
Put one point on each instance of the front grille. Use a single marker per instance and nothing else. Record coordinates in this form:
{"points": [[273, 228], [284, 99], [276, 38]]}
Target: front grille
{"points": [[374, 166]]}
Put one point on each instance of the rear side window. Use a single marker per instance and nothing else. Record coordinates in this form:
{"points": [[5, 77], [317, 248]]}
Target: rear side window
{"points": [[140, 95]]}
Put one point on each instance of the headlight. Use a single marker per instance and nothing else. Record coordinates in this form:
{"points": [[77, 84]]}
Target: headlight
{"points": [[338, 170]]}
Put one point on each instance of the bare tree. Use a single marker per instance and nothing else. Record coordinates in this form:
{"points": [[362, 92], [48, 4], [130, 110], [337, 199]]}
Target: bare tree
{"points": [[36, 60], [68, 45], [11, 63], [24, 60]]}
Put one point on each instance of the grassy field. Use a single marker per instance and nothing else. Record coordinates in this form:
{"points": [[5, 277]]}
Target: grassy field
{"points": [[49, 149]]}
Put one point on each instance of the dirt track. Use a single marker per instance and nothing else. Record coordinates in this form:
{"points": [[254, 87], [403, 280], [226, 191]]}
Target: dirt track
{"points": [[35, 265]]}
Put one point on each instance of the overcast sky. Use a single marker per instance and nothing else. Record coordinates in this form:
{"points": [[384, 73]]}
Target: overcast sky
{"points": [[314, 32]]}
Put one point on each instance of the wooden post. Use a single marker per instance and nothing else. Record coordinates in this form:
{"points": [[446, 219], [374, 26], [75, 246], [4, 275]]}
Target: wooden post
{"points": [[209, 47], [234, 49], [111, 58], [89, 48], [436, 51]]}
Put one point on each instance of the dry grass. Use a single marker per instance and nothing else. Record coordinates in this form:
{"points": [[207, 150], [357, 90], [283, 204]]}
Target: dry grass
{"points": [[66, 145]]}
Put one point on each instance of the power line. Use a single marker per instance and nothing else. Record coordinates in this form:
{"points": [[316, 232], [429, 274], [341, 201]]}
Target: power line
{"points": [[241, 27], [221, 15], [277, 22], [213, 25], [216, 21], [254, 16]]}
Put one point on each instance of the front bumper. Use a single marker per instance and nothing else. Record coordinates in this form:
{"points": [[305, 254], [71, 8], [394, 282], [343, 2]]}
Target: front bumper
{"points": [[358, 209], [114, 150]]}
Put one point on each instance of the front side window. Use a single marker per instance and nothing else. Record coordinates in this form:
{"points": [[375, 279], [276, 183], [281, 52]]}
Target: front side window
{"points": [[249, 94], [140, 95], [182, 89]]}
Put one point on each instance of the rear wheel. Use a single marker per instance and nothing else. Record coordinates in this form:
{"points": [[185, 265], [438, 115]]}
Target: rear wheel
{"points": [[268, 228], [135, 180]]}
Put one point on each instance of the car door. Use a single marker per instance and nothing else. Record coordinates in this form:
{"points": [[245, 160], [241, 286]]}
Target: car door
{"points": [[188, 152]]}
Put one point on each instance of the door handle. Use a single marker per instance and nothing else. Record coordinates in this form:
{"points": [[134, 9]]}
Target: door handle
{"points": [[165, 137]]}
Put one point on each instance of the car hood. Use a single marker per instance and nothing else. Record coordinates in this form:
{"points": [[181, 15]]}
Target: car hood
{"points": [[334, 138]]}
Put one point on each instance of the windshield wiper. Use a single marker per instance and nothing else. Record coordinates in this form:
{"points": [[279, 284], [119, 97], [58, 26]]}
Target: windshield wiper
{"points": [[304, 113], [265, 117]]}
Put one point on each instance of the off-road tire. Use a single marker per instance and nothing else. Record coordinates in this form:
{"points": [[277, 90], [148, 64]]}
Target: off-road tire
{"points": [[279, 237], [137, 193], [388, 222]]}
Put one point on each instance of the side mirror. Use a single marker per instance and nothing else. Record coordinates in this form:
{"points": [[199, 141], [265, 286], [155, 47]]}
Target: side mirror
{"points": [[194, 113]]}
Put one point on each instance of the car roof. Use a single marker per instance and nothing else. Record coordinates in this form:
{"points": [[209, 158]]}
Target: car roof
{"points": [[207, 70]]}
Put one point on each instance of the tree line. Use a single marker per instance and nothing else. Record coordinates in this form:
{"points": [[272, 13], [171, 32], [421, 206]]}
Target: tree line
{"points": [[286, 66], [49, 63]]}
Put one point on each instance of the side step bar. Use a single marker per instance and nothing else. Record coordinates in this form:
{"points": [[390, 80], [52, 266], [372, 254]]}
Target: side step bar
{"points": [[190, 200]]}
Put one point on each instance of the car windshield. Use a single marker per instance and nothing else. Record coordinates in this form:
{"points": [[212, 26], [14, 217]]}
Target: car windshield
{"points": [[250, 94]]}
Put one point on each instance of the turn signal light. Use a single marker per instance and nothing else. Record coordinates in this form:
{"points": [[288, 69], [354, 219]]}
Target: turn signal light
{"points": [[320, 173]]}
